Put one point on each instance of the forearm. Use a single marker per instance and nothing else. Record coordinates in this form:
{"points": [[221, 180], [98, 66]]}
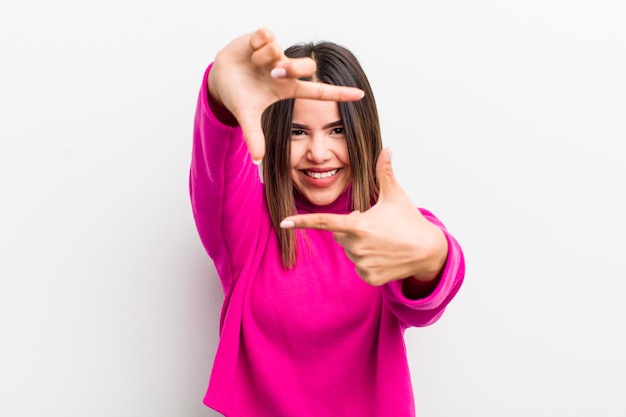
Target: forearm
{"points": [[223, 185]]}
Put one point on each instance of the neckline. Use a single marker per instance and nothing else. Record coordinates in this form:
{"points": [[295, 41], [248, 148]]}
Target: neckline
{"points": [[343, 203]]}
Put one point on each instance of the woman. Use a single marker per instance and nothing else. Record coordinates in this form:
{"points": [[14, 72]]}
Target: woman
{"points": [[324, 261]]}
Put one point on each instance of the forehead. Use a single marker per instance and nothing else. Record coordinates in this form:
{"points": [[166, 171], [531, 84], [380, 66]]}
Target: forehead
{"points": [[306, 111]]}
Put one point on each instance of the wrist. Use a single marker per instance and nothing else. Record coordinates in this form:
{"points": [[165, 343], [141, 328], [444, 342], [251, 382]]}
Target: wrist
{"points": [[436, 260], [220, 111]]}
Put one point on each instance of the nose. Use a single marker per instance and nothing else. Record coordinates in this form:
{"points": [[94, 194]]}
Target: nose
{"points": [[319, 150]]}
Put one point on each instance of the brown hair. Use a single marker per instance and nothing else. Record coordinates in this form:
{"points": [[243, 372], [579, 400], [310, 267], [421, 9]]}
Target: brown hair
{"points": [[338, 66]]}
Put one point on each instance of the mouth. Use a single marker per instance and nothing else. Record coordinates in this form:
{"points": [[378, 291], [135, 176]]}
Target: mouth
{"points": [[321, 175]]}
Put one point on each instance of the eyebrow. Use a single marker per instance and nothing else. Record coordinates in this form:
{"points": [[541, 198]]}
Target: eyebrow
{"points": [[326, 126]]}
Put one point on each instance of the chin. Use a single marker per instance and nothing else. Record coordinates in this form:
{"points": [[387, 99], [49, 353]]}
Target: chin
{"points": [[320, 200]]}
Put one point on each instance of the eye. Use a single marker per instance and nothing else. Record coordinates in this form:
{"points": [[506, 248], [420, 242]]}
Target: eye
{"points": [[297, 132], [338, 131]]}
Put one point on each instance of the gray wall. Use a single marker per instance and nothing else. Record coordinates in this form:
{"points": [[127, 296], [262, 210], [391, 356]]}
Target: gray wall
{"points": [[506, 120]]}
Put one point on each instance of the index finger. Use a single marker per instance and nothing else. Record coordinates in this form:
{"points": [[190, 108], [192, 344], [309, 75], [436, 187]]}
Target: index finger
{"points": [[327, 92], [318, 221], [295, 68]]}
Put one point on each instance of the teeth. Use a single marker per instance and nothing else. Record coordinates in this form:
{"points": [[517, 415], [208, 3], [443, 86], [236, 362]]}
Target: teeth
{"points": [[321, 175]]}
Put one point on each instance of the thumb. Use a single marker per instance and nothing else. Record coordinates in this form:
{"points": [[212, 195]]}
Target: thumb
{"points": [[384, 173], [253, 136]]}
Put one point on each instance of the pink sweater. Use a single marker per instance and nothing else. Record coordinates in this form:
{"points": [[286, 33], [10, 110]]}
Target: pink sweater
{"points": [[314, 341]]}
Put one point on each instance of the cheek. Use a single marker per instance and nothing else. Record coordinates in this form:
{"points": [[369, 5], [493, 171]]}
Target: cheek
{"points": [[343, 154], [295, 155]]}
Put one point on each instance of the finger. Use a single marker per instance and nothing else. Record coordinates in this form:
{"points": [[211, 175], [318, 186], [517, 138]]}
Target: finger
{"points": [[294, 68], [268, 55], [384, 173], [327, 92], [341, 238], [318, 221], [261, 37], [253, 136]]}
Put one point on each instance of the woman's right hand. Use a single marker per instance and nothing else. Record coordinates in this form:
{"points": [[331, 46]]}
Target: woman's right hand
{"points": [[252, 72]]}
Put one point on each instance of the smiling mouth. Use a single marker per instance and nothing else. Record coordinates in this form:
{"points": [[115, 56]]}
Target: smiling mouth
{"points": [[321, 175]]}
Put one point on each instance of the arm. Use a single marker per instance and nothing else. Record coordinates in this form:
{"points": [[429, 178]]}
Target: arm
{"points": [[225, 189], [248, 75], [430, 305]]}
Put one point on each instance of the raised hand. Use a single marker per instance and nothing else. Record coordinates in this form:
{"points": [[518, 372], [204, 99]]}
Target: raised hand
{"points": [[252, 72], [390, 241]]}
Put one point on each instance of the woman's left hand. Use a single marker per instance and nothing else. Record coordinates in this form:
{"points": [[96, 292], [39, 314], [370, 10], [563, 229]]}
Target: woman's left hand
{"points": [[390, 241]]}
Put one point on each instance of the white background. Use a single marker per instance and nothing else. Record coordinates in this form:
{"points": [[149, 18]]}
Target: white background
{"points": [[507, 119]]}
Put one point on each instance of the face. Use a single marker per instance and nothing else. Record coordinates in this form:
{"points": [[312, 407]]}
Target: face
{"points": [[320, 165]]}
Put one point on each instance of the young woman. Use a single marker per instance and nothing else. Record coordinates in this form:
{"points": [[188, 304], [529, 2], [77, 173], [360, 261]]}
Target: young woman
{"points": [[323, 259]]}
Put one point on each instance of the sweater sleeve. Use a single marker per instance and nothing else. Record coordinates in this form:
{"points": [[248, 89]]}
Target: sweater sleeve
{"points": [[426, 311], [225, 190]]}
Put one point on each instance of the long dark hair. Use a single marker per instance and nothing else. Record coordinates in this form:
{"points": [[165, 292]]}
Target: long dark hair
{"points": [[338, 66]]}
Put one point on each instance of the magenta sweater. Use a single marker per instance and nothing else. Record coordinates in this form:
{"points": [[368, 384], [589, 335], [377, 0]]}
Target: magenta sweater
{"points": [[314, 341]]}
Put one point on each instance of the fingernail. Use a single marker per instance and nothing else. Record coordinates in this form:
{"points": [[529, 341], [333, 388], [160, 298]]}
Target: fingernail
{"points": [[278, 72], [257, 161], [287, 224]]}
